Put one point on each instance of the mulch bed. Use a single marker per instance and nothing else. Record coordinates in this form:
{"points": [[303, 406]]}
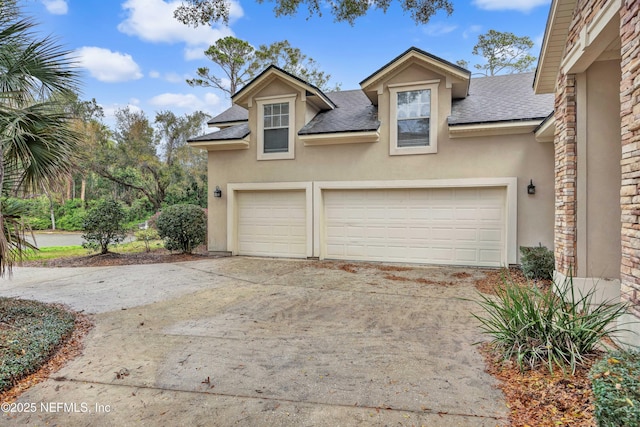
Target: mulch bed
{"points": [[110, 259]]}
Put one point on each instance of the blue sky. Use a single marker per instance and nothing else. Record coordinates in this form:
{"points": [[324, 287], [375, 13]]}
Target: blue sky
{"points": [[134, 53]]}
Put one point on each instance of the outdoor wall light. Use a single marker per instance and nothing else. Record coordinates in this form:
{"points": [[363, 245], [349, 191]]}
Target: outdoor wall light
{"points": [[217, 193], [531, 189]]}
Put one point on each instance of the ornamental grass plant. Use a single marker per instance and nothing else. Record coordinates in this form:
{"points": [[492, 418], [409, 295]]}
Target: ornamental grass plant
{"points": [[557, 327]]}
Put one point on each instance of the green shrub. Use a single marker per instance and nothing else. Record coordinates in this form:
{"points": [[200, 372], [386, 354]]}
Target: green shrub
{"points": [[615, 381], [31, 333], [38, 223], [542, 327], [147, 236], [183, 227], [537, 262], [103, 225], [72, 221]]}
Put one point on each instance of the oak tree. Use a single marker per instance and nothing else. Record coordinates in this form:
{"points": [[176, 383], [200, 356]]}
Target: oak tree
{"points": [[207, 12]]}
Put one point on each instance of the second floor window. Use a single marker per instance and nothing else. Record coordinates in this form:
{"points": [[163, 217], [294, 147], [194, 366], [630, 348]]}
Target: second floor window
{"points": [[413, 118], [276, 127]]}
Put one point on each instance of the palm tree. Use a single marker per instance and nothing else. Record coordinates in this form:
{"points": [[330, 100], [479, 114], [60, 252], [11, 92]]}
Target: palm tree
{"points": [[36, 143]]}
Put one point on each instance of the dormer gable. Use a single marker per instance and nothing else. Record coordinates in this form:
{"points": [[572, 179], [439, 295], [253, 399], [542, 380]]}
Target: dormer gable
{"points": [[310, 94], [456, 78]]}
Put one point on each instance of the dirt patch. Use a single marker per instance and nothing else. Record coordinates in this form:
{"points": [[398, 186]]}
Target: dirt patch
{"points": [[421, 280], [495, 278]]}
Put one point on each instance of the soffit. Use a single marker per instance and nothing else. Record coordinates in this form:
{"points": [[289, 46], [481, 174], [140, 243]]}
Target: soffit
{"points": [[553, 45]]}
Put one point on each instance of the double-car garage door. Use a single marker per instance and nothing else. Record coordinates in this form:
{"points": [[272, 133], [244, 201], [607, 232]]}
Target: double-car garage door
{"points": [[455, 226]]}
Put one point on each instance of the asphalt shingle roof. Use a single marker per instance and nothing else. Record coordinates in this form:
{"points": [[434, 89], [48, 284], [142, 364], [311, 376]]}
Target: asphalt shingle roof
{"points": [[501, 98], [353, 113], [490, 99], [234, 114], [232, 132]]}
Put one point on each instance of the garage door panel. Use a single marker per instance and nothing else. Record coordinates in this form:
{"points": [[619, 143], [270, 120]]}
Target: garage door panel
{"points": [[490, 256], [449, 226], [272, 223]]}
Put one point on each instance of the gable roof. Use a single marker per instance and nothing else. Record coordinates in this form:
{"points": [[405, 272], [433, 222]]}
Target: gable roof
{"points": [[499, 99], [314, 95], [459, 76]]}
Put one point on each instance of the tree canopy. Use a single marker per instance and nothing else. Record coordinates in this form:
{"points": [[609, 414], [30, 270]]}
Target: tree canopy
{"points": [[207, 12], [240, 62], [504, 52]]}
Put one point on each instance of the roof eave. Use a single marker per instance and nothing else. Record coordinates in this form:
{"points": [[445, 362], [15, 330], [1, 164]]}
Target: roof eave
{"points": [[333, 138], [551, 52], [243, 95], [512, 127]]}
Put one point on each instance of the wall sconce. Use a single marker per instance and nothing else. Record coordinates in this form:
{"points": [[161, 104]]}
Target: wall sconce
{"points": [[531, 189], [217, 193]]}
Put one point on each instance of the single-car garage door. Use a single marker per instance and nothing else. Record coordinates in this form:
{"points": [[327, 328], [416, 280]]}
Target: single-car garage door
{"points": [[271, 223], [456, 226]]}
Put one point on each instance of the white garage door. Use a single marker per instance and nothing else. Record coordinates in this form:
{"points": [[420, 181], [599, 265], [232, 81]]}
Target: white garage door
{"points": [[456, 226], [271, 223]]}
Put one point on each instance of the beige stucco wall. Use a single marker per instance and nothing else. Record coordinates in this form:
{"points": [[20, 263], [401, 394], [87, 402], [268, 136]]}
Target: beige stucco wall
{"points": [[492, 156], [599, 175]]}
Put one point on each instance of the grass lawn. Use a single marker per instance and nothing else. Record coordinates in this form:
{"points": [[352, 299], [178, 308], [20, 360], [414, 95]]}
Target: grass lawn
{"points": [[55, 252]]}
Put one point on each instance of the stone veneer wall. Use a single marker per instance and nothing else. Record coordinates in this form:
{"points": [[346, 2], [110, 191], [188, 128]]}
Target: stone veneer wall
{"points": [[565, 174], [630, 119], [566, 147]]}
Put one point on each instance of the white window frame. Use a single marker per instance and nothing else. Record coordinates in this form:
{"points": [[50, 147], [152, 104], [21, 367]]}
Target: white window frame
{"points": [[394, 89], [260, 103]]}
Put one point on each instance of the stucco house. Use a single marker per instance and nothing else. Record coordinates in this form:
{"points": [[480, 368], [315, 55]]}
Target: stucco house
{"points": [[421, 164], [425, 164], [590, 61]]}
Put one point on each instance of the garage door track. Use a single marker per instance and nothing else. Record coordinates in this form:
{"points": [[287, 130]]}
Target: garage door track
{"points": [[257, 342]]}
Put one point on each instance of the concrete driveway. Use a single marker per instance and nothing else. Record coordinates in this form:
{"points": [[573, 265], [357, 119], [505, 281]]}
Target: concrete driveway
{"points": [[257, 342]]}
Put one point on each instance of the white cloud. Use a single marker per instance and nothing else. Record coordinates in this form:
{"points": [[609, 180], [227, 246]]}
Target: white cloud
{"points": [[191, 53], [56, 7], [187, 101], [474, 29], [211, 99], [180, 100], [174, 78], [170, 77], [108, 66], [438, 29], [153, 21], [521, 5]]}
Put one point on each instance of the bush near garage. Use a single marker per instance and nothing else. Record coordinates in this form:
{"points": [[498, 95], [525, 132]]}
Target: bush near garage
{"points": [[616, 387], [182, 227], [30, 332], [537, 262]]}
